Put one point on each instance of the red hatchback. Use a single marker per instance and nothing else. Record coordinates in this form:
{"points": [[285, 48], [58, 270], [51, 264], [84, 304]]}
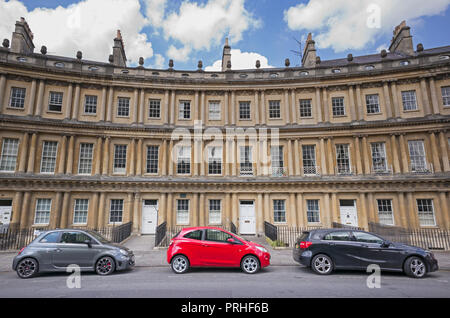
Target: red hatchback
{"points": [[215, 247]]}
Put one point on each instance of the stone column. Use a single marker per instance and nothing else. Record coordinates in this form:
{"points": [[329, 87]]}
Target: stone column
{"points": [[362, 219], [65, 211], [2, 90], [93, 211], [234, 162], [412, 216], [202, 107], [17, 209], [103, 105], [204, 220], [101, 211], [24, 152], [358, 159], [170, 157], [359, 102], [56, 216], [170, 220], [226, 108], [289, 155], [233, 107], [395, 159], [166, 107], [302, 219], [326, 108], [70, 151], [326, 211], [371, 212], [109, 112], [425, 101], [69, 97], [30, 110], [404, 154], [330, 157], [434, 98], [402, 210], [32, 154], [228, 208], [444, 149], [129, 208], [26, 213], [136, 111], [263, 108], [323, 158], [140, 154], [286, 107], [142, 106], [164, 158], [318, 106], [162, 213], [172, 108], [40, 98], [293, 210], [294, 108], [234, 209], [196, 106], [297, 158], [396, 111], [106, 155], [387, 99], [98, 156], [445, 210], [257, 122], [76, 102], [435, 152], [132, 164], [267, 207], [62, 156], [366, 155], [352, 102], [335, 217], [259, 214]]}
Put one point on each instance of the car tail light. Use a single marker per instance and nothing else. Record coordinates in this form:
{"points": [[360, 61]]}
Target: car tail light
{"points": [[21, 250], [304, 245]]}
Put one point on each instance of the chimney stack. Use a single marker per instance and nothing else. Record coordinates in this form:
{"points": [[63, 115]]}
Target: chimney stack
{"points": [[309, 53], [226, 57], [22, 38], [119, 56], [402, 40]]}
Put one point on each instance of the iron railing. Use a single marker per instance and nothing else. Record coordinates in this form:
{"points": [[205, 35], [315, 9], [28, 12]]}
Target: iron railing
{"points": [[14, 238], [279, 172], [427, 168], [161, 231], [428, 238], [311, 171], [271, 231]]}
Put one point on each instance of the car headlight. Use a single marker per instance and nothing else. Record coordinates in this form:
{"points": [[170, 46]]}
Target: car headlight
{"points": [[123, 252], [262, 249]]}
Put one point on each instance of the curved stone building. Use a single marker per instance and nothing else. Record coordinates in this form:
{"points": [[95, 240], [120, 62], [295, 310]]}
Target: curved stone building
{"points": [[353, 140]]}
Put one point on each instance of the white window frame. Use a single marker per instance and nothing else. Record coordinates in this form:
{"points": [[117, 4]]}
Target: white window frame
{"points": [[154, 106], [420, 215], [309, 212], [373, 104], [215, 216], [86, 162], [279, 211], [274, 109], [151, 159], [183, 215], [445, 91], [19, 99], [8, 159], [182, 110], [382, 153], [215, 155], [338, 106], [123, 107], [80, 206], [117, 169], [305, 106], [184, 160], [47, 212], [417, 155], [386, 214], [214, 110], [309, 154], [120, 212], [46, 156], [55, 99], [409, 100], [90, 104]]}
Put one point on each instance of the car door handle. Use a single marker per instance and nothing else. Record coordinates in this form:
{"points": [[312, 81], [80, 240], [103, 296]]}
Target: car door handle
{"points": [[58, 250], [205, 245]]}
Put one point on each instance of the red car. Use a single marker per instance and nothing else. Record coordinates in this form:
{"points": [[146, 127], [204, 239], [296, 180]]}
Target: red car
{"points": [[215, 247]]}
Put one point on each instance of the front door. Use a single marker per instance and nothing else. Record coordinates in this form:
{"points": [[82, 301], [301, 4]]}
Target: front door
{"points": [[5, 213], [247, 218], [149, 217], [349, 214]]}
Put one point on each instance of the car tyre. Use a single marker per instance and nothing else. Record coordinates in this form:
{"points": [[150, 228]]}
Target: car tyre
{"points": [[250, 264], [180, 264], [27, 268], [322, 264], [415, 267], [105, 266]]}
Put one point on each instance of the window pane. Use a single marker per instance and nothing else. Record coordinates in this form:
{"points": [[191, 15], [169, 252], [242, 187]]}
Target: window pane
{"points": [[338, 236], [184, 110], [446, 95], [367, 238], [120, 158], [417, 156], [49, 152], [279, 211], [86, 155], [194, 235], [274, 109], [215, 216], [426, 212], [409, 100], [184, 160], [55, 101], [155, 108], [217, 236], [379, 157], [215, 160], [123, 107], [116, 211], [305, 108], [8, 159], [338, 106], [43, 208], [343, 159], [183, 212], [372, 104], [312, 211], [80, 212], [309, 159], [74, 238], [385, 213], [17, 99], [152, 159], [244, 110], [245, 157], [214, 111], [90, 104]]}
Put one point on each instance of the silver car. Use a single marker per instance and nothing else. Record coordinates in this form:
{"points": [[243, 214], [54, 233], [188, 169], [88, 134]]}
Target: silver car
{"points": [[56, 250]]}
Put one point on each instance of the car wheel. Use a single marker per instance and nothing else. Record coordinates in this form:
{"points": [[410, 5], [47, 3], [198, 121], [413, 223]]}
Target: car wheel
{"points": [[27, 268], [180, 264], [250, 264], [105, 266], [415, 267], [322, 264]]}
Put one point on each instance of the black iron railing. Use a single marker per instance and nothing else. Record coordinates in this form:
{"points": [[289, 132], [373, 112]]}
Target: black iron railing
{"points": [[14, 238], [271, 231], [161, 231]]}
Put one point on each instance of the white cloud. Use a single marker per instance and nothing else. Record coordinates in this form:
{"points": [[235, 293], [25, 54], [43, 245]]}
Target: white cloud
{"points": [[159, 61], [201, 26], [89, 26], [343, 24], [241, 61]]}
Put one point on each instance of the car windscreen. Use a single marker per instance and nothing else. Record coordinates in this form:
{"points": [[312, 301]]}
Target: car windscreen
{"points": [[99, 237]]}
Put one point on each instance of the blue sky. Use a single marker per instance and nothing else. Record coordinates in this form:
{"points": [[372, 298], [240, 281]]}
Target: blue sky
{"points": [[188, 31]]}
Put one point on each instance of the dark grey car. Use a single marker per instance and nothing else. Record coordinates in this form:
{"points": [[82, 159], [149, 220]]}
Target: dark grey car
{"points": [[56, 250]]}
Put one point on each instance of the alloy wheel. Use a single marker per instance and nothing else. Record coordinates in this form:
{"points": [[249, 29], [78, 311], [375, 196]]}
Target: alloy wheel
{"points": [[105, 266], [27, 268], [418, 267], [322, 265], [250, 265], [180, 264]]}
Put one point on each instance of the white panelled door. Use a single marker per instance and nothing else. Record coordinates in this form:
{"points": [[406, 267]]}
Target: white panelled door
{"points": [[349, 214], [149, 217], [247, 218]]}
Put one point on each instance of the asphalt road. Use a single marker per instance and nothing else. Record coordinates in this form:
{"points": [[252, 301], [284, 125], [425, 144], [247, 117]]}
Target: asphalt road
{"points": [[274, 281]]}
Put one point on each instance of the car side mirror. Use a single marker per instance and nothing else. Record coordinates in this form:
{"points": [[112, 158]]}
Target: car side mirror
{"points": [[386, 244], [231, 241], [88, 243]]}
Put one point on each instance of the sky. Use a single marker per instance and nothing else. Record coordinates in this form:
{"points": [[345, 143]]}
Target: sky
{"points": [[191, 30]]}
